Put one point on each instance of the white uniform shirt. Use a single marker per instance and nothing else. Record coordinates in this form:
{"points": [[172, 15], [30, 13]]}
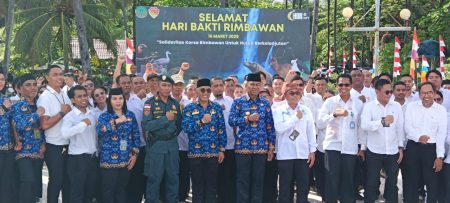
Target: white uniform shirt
{"points": [[136, 105], [367, 92], [51, 101], [83, 138], [227, 102], [183, 140], [447, 143], [431, 121], [382, 140], [339, 135], [286, 122]]}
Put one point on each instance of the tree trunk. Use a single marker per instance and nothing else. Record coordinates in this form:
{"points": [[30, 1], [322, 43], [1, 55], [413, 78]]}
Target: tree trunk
{"points": [[82, 37], [64, 46], [315, 24], [9, 28], [124, 13]]}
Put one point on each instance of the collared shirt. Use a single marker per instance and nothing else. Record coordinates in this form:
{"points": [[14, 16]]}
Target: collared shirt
{"points": [[51, 101], [367, 92], [156, 124], [183, 139], [205, 139], [382, 140], [252, 137], [227, 102], [447, 143], [431, 121], [286, 122], [98, 111], [117, 140], [66, 88], [83, 138], [342, 133], [321, 129], [26, 123], [6, 138], [136, 105]]}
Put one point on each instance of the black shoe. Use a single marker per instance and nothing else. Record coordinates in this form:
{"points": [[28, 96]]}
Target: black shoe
{"points": [[359, 197]]}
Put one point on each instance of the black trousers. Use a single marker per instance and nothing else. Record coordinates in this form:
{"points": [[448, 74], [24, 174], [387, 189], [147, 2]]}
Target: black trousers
{"points": [[446, 172], [339, 177], [204, 179], [227, 178], [419, 161], [375, 162], [319, 173], [83, 173], [270, 190], [29, 172], [137, 181], [7, 175], [291, 170], [114, 184], [58, 181], [185, 177], [360, 173], [250, 177]]}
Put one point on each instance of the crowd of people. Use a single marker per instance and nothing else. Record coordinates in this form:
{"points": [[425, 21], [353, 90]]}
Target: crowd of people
{"points": [[154, 138]]}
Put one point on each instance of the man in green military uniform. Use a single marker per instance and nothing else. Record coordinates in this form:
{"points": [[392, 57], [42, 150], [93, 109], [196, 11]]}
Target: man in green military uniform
{"points": [[162, 123]]}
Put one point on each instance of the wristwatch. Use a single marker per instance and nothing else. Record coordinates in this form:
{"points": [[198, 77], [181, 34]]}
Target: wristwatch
{"points": [[62, 114]]}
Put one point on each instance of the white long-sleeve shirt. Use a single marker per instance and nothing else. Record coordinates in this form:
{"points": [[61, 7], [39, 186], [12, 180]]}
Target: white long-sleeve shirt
{"points": [[447, 143], [367, 92], [136, 105], [227, 102], [339, 134], [286, 122], [82, 137], [431, 121], [183, 140], [379, 139]]}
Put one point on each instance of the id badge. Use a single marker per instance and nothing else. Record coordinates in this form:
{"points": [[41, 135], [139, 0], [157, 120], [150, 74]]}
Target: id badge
{"points": [[352, 125], [37, 134], [123, 145], [294, 135]]}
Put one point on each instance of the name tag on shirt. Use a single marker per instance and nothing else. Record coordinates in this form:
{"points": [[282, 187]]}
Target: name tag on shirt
{"points": [[123, 145], [294, 135]]}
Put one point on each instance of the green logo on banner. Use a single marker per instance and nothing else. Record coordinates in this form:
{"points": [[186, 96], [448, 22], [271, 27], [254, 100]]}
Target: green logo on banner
{"points": [[141, 12]]}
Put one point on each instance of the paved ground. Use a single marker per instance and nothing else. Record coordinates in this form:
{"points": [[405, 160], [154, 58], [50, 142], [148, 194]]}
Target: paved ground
{"points": [[313, 198]]}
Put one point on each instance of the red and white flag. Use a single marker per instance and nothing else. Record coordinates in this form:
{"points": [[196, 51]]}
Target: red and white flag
{"points": [[129, 53], [354, 58], [397, 64], [441, 55]]}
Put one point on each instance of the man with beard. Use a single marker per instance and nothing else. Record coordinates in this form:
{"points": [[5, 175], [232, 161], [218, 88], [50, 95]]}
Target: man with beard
{"points": [[227, 169]]}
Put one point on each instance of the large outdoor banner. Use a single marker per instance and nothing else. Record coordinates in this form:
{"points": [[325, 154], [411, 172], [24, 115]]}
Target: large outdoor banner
{"points": [[222, 41]]}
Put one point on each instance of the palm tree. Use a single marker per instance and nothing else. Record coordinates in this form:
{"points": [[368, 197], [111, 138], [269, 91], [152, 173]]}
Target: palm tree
{"points": [[43, 22], [9, 28], [82, 36]]}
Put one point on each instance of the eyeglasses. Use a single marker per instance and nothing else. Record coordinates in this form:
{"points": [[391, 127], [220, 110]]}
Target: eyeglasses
{"points": [[438, 99], [388, 92], [344, 85], [296, 93], [203, 90], [88, 85], [301, 85], [99, 94]]}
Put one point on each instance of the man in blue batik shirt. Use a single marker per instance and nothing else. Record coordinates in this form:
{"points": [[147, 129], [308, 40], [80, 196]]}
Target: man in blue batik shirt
{"points": [[204, 123], [255, 140]]}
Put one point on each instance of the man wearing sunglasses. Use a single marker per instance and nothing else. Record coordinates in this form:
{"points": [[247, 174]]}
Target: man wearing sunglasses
{"points": [[382, 119], [341, 115], [204, 123], [255, 140], [296, 144]]}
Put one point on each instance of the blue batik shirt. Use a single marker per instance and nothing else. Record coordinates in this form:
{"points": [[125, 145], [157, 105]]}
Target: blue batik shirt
{"points": [[205, 139], [116, 141], [252, 137], [26, 123], [6, 139]]}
